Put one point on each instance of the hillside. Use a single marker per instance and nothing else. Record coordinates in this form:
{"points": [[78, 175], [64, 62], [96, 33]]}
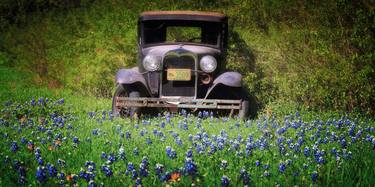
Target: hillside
{"points": [[301, 54]]}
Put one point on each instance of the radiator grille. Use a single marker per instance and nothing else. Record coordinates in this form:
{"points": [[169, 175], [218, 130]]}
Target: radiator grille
{"points": [[178, 88]]}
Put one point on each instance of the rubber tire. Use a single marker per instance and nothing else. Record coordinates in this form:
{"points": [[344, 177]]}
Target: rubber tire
{"points": [[121, 91], [243, 113]]}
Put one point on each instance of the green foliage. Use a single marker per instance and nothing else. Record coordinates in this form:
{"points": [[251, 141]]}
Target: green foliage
{"points": [[318, 55]]}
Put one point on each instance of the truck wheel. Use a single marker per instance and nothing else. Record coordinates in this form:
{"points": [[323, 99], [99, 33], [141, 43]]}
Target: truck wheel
{"points": [[243, 113], [124, 111]]}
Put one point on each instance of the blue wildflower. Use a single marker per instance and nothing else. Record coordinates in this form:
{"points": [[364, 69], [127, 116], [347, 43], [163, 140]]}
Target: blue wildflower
{"points": [[91, 184], [52, 171], [76, 139], [111, 158], [225, 181], [159, 169], [190, 166], [282, 167], [103, 155], [244, 175], [166, 177], [143, 172], [257, 163], [41, 174], [129, 168], [61, 162], [223, 164], [314, 176], [107, 170], [14, 147]]}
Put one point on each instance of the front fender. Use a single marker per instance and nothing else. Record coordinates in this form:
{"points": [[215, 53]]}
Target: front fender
{"points": [[231, 79], [130, 77]]}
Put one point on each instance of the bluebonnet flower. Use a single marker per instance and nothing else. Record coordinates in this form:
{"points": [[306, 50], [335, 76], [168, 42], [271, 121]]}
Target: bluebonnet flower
{"points": [[166, 177], [212, 149], [257, 163], [111, 158], [159, 169], [121, 153], [171, 153], [23, 140], [343, 143], [190, 166], [16, 164], [223, 164], [82, 174], [90, 165], [189, 153], [95, 132], [103, 155], [138, 182], [145, 161], [14, 147], [244, 175], [60, 101], [282, 167], [306, 151], [52, 171], [110, 115], [41, 174], [148, 141], [127, 135], [320, 160], [22, 180], [129, 168], [178, 141], [40, 161], [61, 175], [61, 162], [314, 176], [76, 139], [107, 170], [134, 174], [225, 181], [6, 160], [91, 184], [91, 115], [32, 102], [135, 151], [143, 172]]}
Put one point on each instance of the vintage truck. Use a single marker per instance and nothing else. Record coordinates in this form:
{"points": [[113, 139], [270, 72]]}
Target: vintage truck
{"points": [[182, 56]]}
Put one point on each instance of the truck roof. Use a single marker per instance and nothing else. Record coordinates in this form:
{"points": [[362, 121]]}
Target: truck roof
{"points": [[183, 15]]}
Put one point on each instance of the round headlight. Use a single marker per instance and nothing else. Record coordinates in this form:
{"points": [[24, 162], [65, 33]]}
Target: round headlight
{"points": [[151, 63], [208, 64]]}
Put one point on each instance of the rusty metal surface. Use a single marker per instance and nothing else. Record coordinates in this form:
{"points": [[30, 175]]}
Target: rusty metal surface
{"points": [[183, 15], [221, 104]]}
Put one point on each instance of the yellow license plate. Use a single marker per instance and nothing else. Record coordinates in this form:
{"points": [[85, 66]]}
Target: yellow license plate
{"points": [[179, 74]]}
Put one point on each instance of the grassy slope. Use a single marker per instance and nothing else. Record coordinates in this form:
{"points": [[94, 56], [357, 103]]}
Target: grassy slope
{"points": [[302, 53]]}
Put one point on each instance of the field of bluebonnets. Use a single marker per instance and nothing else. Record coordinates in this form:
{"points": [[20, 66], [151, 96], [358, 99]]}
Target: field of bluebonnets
{"points": [[48, 142]]}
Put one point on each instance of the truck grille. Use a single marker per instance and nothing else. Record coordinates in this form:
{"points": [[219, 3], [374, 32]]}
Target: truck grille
{"points": [[178, 88]]}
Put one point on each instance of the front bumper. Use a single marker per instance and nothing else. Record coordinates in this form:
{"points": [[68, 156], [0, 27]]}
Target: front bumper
{"points": [[221, 104]]}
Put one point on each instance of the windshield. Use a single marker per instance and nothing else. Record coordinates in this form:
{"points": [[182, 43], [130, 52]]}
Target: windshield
{"points": [[159, 31]]}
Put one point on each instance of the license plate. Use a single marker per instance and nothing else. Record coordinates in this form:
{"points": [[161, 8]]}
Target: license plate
{"points": [[179, 74]]}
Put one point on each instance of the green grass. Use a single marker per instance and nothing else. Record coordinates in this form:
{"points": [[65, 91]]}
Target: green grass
{"points": [[354, 171]]}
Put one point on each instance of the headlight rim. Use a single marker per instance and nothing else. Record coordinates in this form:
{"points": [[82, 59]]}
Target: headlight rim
{"points": [[202, 66], [146, 65]]}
